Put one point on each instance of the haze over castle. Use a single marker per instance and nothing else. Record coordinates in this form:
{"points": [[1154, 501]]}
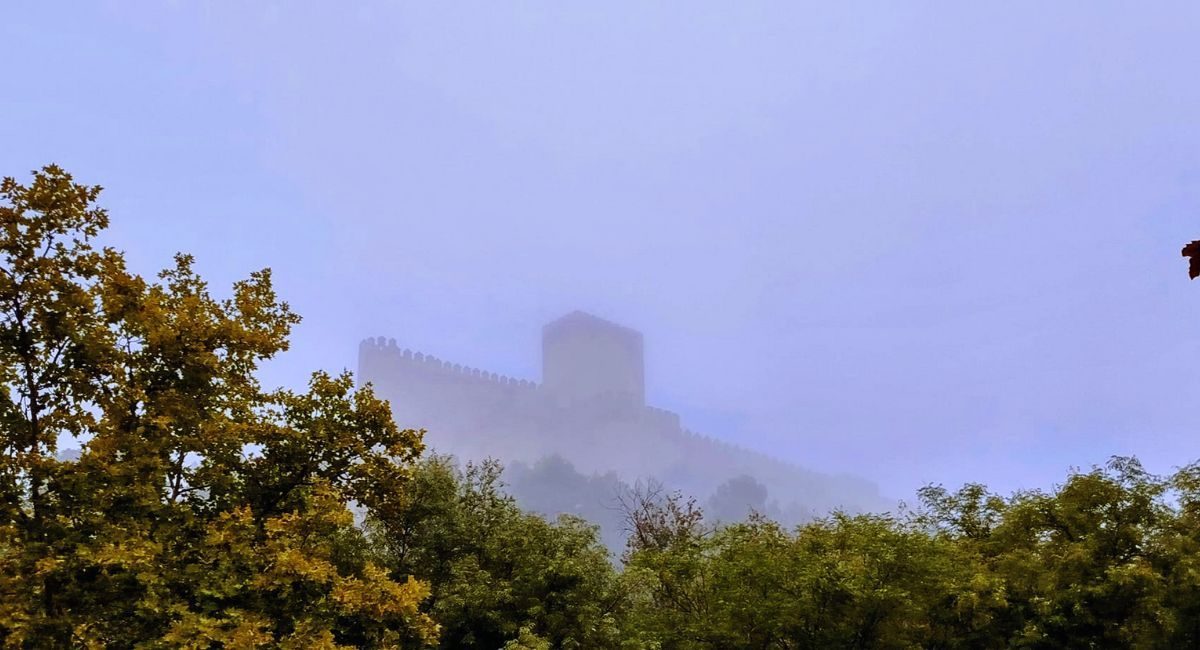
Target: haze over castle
{"points": [[590, 408]]}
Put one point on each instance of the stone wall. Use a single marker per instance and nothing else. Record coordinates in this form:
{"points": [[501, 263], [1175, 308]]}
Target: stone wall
{"points": [[599, 426]]}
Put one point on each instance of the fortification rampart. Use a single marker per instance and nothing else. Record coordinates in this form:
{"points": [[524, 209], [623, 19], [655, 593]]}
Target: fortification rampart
{"points": [[382, 354], [381, 360], [475, 413]]}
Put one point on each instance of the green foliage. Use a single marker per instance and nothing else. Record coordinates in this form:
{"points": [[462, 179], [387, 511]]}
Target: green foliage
{"points": [[1109, 559], [499, 575], [552, 487], [527, 640]]}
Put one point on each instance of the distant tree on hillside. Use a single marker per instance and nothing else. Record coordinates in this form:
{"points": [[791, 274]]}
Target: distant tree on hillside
{"points": [[552, 486], [736, 498]]}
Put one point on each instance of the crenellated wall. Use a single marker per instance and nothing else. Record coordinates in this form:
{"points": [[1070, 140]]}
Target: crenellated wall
{"points": [[383, 354], [473, 413]]}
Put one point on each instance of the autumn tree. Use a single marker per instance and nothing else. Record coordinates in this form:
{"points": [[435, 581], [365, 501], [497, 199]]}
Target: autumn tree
{"points": [[202, 510]]}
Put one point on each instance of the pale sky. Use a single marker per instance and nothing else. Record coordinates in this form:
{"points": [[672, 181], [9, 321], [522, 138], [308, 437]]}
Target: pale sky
{"points": [[918, 242]]}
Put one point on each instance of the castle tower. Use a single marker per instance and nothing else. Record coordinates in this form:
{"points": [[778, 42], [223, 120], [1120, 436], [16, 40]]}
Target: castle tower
{"points": [[586, 359]]}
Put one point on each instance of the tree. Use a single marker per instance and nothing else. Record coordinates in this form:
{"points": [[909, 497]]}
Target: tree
{"points": [[552, 486], [500, 576], [839, 582], [1087, 561], [202, 509], [737, 498], [1108, 558]]}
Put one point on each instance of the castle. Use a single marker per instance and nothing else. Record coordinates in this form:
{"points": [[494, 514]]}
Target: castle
{"points": [[590, 408]]}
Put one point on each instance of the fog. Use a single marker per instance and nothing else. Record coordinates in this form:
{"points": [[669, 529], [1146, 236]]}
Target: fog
{"points": [[909, 242]]}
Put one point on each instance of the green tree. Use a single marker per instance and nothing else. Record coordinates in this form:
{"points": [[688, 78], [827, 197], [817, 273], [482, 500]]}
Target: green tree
{"points": [[202, 510], [499, 575], [1107, 559], [552, 486], [1086, 561], [840, 582]]}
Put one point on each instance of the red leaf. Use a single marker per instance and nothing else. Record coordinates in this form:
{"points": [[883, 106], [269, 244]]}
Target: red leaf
{"points": [[1192, 251]]}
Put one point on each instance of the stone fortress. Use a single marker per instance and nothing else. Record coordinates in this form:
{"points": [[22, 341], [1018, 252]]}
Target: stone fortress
{"points": [[590, 409]]}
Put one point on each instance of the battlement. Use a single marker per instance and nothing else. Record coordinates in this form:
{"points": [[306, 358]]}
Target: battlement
{"points": [[382, 350], [385, 356], [732, 448], [590, 407], [663, 417]]}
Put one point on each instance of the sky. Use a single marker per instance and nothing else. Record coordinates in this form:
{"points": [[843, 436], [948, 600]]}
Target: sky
{"points": [[916, 242]]}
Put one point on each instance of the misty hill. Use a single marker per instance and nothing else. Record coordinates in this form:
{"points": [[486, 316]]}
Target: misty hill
{"points": [[590, 410]]}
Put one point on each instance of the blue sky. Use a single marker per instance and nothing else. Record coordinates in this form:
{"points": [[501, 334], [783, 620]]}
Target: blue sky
{"points": [[912, 241]]}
